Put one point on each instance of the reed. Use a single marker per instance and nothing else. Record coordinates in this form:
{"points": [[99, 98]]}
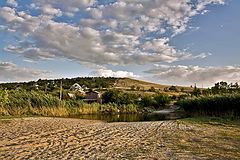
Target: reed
{"points": [[23, 103], [227, 105]]}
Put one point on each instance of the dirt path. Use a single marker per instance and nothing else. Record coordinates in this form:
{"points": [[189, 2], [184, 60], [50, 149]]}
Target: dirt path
{"points": [[59, 138]]}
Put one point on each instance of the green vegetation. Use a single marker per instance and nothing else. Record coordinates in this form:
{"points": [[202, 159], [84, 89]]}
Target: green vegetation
{"points": [[227, 105], [147, 101], [162, 99], [40, 103], [20, 103], [222, 100], [51, 85], [213, 121], [118, 95], [209, 137], [120, 98]]}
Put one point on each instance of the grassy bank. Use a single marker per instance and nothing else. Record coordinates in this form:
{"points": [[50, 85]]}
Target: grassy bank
{"points": [[20, 103], [227, 105], [213, 121]]}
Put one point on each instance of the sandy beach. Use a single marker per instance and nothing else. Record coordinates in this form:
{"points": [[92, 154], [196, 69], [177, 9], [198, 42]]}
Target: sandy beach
{"points": [[65, 138]]}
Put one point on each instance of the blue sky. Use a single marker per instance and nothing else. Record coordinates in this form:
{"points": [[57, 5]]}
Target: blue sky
{"points": [[178, 42]]}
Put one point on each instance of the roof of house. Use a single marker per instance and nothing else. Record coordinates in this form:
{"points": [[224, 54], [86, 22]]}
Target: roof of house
{"points": [[76, 87]]}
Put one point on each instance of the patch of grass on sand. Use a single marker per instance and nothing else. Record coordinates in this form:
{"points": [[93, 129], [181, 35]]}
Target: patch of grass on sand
{"points": [[208, 138], [213, 121]]}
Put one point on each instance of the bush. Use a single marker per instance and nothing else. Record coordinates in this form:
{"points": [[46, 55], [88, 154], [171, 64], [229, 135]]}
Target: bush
{"points": [[152, 89], [111, 96], [162, 99], [118, 97], [147, 101], [173, 88]]}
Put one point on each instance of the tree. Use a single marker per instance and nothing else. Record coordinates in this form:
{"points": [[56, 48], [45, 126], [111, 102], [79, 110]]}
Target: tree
{"points": [[147, 101], [182, 89], [111, 96], [173, 88], [118, 97], [152, 89], [236, 85], [196, 91]]}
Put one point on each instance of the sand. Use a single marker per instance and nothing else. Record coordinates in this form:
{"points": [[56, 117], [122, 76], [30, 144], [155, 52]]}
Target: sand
{"points": [[65, 138]]}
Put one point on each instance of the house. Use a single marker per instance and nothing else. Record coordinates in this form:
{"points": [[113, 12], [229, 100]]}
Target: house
{"points": [[93, 96], [76, 87], [85, 87]]}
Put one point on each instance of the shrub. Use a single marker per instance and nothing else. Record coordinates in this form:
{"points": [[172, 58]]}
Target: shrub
{"points": [[118, 97], [162, 99], [147, 101], [173, 88], [152, 89], [111, 96]]}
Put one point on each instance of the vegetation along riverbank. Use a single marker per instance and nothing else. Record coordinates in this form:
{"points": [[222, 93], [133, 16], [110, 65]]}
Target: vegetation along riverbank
{"points": [[115, 96]]}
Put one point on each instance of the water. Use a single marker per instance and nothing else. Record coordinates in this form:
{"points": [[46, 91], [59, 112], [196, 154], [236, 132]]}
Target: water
{"points": [[155, 116]]}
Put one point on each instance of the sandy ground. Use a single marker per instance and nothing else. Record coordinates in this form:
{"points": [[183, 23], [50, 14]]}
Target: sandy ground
{"points": [[62, 138]]}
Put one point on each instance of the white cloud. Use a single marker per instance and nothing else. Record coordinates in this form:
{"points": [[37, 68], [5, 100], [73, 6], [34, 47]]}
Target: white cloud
{"points": [[203, 3], [68, 7], [110, 73], [49, 10], [188, 75], [12, 3], [116, 33], [11, 72], [9, 14], [31, 53]]}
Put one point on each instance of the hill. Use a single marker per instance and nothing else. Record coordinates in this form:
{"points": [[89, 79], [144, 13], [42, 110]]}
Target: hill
{"points": [[92, 82], [128, 83]]}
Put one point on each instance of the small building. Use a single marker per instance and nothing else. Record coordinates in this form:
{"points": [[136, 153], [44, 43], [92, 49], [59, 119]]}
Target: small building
{"points": [[76, 87], [85, 87], [93, 96]]}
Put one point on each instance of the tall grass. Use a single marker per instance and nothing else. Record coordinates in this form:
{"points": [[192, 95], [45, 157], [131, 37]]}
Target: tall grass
{"points": [[219, 105], [20, 103]]}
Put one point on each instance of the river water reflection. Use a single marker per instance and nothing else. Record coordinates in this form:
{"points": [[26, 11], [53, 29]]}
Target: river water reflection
{"points": [[156, 116]]}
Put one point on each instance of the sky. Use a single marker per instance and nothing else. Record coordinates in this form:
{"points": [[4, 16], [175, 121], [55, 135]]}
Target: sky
{"points": [[175, 42]]}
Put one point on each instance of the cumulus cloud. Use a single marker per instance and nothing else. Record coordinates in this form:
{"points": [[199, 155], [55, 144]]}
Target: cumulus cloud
{"points": [[117, 33], [11, 72], [9, 14], [12, 3], [188, 75], [110, 73], [49, 10], [69, 7], [31, 53]]}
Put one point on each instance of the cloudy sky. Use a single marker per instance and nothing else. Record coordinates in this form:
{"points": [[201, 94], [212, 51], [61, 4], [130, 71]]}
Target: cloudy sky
{"points": [[179, 42]]}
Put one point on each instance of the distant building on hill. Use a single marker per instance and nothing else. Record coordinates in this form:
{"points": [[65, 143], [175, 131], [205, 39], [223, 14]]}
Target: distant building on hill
{"points": [[93, 96]]}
